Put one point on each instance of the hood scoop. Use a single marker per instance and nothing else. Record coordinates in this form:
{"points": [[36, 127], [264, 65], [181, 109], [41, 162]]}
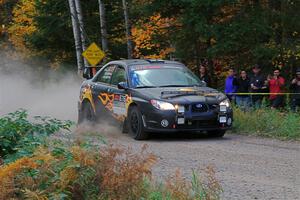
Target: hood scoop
{"points": [[173, 94]]}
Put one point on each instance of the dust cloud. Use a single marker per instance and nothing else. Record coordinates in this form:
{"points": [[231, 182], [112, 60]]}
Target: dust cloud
{"points": [[46, 93], [106, 130], [41, 92]]}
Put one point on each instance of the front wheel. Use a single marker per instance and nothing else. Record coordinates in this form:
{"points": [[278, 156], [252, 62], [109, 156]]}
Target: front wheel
{"points": [[135, 122], [217, 133]]}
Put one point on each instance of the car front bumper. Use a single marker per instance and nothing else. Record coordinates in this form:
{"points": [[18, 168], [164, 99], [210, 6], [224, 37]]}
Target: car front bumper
{"points": [[171, 121]]}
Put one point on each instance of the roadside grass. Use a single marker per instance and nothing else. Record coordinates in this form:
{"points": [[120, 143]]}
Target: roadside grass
{"points": [[267, 122], [88, 170]]}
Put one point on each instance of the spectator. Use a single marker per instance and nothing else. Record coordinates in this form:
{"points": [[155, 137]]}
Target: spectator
{"points": [[295, 88], [276, 84], [257, 85], [204, 75], [243, 86], [230, 88]]}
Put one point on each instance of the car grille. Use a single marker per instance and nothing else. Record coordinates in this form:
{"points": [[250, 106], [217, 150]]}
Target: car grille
{"points": [[205, 107], [213, 106], [199, 124]]}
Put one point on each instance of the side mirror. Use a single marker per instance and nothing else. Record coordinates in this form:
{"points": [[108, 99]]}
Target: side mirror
{"points": [[122, 86], [87, 73]]}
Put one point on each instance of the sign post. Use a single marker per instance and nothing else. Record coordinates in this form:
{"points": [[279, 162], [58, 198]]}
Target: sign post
{"points": [[93, 54]]}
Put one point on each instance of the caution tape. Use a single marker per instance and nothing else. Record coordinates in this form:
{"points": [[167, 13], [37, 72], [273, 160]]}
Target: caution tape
{"points": [[262, 93]]}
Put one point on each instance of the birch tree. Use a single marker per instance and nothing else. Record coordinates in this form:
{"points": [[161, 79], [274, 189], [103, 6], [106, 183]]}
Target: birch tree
{"points": [[128, 29], [76, 33], [103, 26], [81, 28]]}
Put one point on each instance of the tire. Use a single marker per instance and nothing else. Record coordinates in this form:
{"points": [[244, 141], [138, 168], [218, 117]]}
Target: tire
{"points": [[87, 114], [135, 124], [125, 126], [217, 133]]}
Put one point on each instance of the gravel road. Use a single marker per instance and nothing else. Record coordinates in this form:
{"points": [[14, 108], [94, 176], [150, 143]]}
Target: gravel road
{"points": [[247, 167]]}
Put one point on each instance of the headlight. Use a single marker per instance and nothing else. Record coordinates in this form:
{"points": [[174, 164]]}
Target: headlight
{"points": [[161, 105], [224, 105], [225, 102]]}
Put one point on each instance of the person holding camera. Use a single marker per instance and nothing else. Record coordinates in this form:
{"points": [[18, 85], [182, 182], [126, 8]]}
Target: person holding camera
{"points": [[276, 85], [295, 88], [257, 86]]}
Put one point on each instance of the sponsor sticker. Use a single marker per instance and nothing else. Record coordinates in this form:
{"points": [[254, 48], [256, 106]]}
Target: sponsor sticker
{"points": [[119, 104]]}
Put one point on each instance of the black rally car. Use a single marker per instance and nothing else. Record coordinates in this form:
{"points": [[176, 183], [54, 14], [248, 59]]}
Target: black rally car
{"points": [[153, 96]]}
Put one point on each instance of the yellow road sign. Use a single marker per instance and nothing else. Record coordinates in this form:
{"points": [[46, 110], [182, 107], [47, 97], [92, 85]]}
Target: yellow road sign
{"points": [[93, 54]]}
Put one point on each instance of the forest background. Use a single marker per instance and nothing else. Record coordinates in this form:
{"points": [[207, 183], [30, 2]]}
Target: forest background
{"points": [[217, 33]]}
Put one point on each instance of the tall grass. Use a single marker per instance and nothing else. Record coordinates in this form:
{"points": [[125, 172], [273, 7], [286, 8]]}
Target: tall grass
{"points": [[267, 122]]}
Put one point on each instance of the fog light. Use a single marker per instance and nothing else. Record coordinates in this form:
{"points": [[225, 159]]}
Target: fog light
{"points": [[229, 121], [223, 108], [180, 120], [222, 119], [164, 123], [180, 109]]}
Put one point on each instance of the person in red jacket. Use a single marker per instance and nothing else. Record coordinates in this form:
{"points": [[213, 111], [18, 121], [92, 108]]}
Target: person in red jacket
{"points": [[276, 84]]}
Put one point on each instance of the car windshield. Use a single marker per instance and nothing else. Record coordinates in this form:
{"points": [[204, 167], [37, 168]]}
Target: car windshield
{"points": [[152, 76]]}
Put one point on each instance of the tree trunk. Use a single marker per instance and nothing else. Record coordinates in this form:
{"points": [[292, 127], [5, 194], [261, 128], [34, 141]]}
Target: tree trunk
{"points": [[103, 26], [128, 29], [76, 33], [81, 28], [197, 55], [283, 30], [210, 63]]}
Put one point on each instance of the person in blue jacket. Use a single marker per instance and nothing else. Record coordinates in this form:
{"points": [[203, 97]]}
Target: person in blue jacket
{"points": [[230, 88]]}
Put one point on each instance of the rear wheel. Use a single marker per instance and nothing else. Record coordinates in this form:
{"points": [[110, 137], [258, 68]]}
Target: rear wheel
{"points": [[217, 133], [135, 124], [87, 114]]}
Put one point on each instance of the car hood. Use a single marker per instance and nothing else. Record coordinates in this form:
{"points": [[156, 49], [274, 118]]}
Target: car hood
{"points": [[183, 95]]}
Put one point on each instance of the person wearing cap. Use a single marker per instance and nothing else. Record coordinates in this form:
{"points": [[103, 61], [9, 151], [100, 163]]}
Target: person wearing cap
{"points": [[276, 84], [295, 88], [230, 88], [257, 85]]}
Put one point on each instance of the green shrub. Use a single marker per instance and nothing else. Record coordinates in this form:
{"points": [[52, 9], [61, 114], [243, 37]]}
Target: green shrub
{"points": [[267, 122], [19, 136]]}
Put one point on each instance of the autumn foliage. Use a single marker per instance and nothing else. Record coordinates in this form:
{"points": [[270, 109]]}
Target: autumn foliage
{"points": [[150, 37], [85, 172], [22, 25]]}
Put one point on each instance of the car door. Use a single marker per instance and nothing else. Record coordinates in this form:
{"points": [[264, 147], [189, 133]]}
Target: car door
{"points": [[102, 97], [120, 95]]}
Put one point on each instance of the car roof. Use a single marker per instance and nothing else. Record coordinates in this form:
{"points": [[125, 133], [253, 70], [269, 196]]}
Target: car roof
{"points": [[130, 62]]}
